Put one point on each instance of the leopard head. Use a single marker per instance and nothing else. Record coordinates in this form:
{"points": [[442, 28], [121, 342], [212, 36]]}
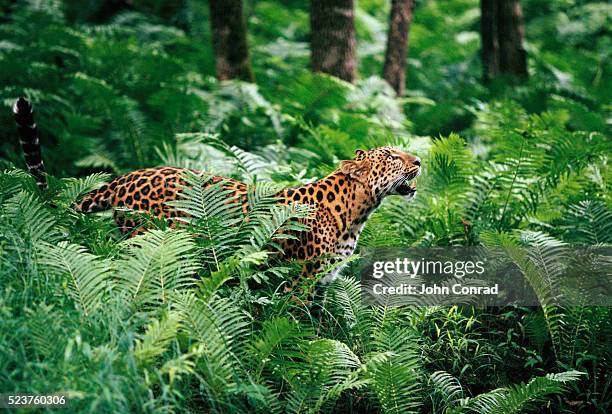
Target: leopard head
{"points": [[385, 171]]}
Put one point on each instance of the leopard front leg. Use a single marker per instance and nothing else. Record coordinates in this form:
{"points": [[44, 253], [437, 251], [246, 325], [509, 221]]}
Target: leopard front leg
{"points": [[315, 273]]}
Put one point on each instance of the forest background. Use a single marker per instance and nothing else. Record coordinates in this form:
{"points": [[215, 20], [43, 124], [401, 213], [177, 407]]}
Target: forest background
{"points": [[506, 102]]}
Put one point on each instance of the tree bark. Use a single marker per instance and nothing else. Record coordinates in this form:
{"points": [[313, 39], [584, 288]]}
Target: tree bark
{"points": [[488, 35], [333, 48], [511, 33], [229, 36], [502, 34], [400, 19]]}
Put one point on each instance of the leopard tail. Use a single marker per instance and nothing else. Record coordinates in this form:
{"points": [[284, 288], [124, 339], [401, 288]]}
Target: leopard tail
{"points": [[28, 138]]}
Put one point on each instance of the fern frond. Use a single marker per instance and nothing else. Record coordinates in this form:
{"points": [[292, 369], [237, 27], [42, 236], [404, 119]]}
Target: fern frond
{"points": [[261, 398], [326, 369], [536, 328], [227, 269], [451, 164], [396, 380], [252, 164], [280, 220], [154, 265], [447, 390], [267, 221], [521, 397], [29, 217], [220, 328], [158, 335], [590, 222], [343, 300], [101, 159], [279, 341], [542, 263], [73, 188], [11, 182], [184, 364], [213, 213], [339, 369], [42, 330], [88, 275], [344, 293], [202, 151]]}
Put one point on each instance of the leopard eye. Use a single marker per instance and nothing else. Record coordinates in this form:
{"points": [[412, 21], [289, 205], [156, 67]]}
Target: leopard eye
{"points": [[392, 157]]}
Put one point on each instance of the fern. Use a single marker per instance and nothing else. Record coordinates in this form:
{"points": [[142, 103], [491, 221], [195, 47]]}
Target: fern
{"points": [[179, 367], [518, 398], [278, 222], [267, 221], [219, 327], [212, 214], [343, 298], [73, 188], [322, 375], [43, 329], [154, 265], [12, 182], [278, 341], [396, 381], [201, 151], [156, 338], [445, 388], [252, 164], [542, 264], [544, 272], [194, 318], [590, 222], [101, 159], [29, 218], [451, 165], [88, 276]]}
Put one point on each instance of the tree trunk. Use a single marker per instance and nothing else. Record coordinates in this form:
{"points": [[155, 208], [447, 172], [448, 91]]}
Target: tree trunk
{"points": [[332, 38], [502, 33], [400, 19], [488, 35], [511, 33], [230, 45]]}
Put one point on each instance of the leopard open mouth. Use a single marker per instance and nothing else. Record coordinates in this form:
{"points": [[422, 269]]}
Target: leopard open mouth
{"points": [[406, 188]]}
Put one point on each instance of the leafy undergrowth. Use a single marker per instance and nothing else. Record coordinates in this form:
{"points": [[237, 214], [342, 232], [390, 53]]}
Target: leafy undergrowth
{"points": [[195, 318]]}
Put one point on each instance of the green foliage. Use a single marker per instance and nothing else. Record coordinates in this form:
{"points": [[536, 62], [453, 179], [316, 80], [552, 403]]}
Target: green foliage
{"points": [[194, 318], [518, 398], [87, 275], [155, 265], [156, 339], [514, 399]]}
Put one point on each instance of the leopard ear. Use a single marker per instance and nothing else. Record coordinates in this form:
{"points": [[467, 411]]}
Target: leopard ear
{"points": [[359, 153], [358, 170]]}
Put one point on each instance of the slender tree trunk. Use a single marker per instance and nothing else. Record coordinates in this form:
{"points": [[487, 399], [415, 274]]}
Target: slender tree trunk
{"points": [[230, 45], [488, 35], [502, 34], [333, 46], [400, 19], [511, 33]]}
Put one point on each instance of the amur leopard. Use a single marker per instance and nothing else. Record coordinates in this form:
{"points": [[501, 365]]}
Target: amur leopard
{"points": [[343, 200]]}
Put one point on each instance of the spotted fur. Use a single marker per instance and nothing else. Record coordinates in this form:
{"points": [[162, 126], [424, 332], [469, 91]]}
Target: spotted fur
{"points": [[150, 190], [344, 200]]}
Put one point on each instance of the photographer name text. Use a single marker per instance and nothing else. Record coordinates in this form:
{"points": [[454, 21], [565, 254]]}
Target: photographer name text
{"points": [[435, 289]]}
